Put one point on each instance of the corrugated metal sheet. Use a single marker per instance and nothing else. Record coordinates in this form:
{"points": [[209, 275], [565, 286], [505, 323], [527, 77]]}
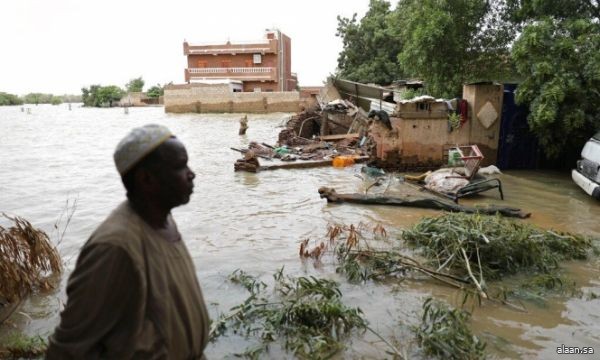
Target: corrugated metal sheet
{"points": [[364, 94], [388, 107]]}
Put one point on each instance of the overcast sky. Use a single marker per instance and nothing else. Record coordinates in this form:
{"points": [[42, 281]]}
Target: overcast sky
{"points": [[60, 46]]}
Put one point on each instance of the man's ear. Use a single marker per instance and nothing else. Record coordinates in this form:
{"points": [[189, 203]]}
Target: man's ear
{"points": [[146, 180]]}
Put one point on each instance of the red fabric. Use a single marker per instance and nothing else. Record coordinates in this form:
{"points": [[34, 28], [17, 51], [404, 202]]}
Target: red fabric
{"points": [[463, 109]]}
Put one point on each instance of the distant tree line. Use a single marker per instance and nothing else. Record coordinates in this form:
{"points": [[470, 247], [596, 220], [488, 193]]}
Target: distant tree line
{"points": [[10, 99], [93, 96], [107, 96], [551, 47], [39, 98], [36, 98]]}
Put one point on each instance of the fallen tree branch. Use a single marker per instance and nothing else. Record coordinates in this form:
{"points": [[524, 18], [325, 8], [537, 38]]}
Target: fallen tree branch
{"points": [[427, 203]]}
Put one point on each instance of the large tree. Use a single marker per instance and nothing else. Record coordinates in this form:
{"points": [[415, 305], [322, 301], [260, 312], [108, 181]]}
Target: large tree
{"points": [[444, 42], [558, 55], [109, 94], [370, 46], [450, 42], [99, 96], [155, 91], [135, 85]]}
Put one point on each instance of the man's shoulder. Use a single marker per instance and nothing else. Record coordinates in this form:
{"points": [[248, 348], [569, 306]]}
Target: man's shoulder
{"points": [[122, 228]]}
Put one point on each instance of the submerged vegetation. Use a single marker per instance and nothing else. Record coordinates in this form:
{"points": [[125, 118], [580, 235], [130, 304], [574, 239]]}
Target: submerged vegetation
{"points": [[461, 250], [445, 333], [20, 346], [489, 248], [27, 259], [305, 313], [488, 257]]}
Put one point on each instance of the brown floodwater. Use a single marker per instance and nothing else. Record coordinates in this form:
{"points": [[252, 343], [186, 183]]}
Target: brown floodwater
{"points": [[255, 222]]}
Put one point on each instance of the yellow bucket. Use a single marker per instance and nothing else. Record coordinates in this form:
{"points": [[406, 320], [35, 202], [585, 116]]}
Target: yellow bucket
{"points": [[343, 161]]}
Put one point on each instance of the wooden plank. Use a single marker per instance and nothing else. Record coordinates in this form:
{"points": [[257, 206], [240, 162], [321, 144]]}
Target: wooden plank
{"points": [[338, 137]]}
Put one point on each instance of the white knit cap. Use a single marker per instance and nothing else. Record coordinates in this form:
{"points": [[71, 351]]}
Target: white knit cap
{"points": [[139, 143]]}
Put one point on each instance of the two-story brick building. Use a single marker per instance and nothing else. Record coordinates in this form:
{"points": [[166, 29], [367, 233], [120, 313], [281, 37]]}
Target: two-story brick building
{"points": [[262, 65]]}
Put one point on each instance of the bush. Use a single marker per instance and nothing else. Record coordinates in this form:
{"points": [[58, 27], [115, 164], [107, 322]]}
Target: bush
{"points": [[9, 99]]}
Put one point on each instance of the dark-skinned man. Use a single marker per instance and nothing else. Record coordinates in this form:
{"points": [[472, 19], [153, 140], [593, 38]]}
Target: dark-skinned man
{"points": [[134, 292]]}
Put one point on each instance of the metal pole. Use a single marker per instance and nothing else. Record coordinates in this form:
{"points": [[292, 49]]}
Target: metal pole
{"points": [[281, 62]]}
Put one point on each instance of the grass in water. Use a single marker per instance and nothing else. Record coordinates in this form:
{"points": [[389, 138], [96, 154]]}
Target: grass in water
{"points": [[494, 246], [461, 250], [306, 314], [27, 257], [444, 333], [464, 251], [20, 346]]}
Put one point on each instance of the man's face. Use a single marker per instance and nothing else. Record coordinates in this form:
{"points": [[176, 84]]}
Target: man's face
{"points": [[175, 178]]}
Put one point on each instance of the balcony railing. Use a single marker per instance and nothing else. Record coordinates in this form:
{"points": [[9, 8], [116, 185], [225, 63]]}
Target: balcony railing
{"points": [[236, 42], [242, 73], [262, 47], [242, 70]]}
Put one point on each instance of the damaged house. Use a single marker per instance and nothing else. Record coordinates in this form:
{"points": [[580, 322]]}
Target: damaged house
{"points": [[405, 135], [421, 131]]}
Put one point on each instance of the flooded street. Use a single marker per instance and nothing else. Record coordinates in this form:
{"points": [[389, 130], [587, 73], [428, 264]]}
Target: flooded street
{"points": [[256, 222]]}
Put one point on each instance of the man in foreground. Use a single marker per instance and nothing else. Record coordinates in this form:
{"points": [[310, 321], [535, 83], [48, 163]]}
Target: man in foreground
{"points": [[134, 292]]}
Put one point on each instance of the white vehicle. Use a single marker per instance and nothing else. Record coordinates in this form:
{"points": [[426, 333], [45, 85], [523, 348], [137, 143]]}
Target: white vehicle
{"points": [[587, 174]]}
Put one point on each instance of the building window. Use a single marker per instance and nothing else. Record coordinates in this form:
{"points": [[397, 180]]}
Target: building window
{"points": [[257, 58], [422, 106]]}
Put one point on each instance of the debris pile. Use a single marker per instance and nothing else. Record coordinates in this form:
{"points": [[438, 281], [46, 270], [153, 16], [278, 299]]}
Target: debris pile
{"points": [[248, 163], [305, 124], [339, 129]]}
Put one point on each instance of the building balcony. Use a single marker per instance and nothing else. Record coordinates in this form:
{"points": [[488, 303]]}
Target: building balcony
{"points": [[260, 47], [236, 73]]}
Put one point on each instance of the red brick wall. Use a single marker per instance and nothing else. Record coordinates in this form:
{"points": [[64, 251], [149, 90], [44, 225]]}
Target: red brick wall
{"points": [[289, 84], [238, 60]]}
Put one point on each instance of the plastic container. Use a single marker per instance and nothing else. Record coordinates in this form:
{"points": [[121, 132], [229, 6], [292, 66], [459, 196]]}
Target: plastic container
{"points": [[282, 150], [454, 157], [343, 161]]}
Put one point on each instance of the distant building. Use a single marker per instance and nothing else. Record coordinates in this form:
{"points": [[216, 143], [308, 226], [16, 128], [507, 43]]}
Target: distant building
{"points": [[261, 66]]}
